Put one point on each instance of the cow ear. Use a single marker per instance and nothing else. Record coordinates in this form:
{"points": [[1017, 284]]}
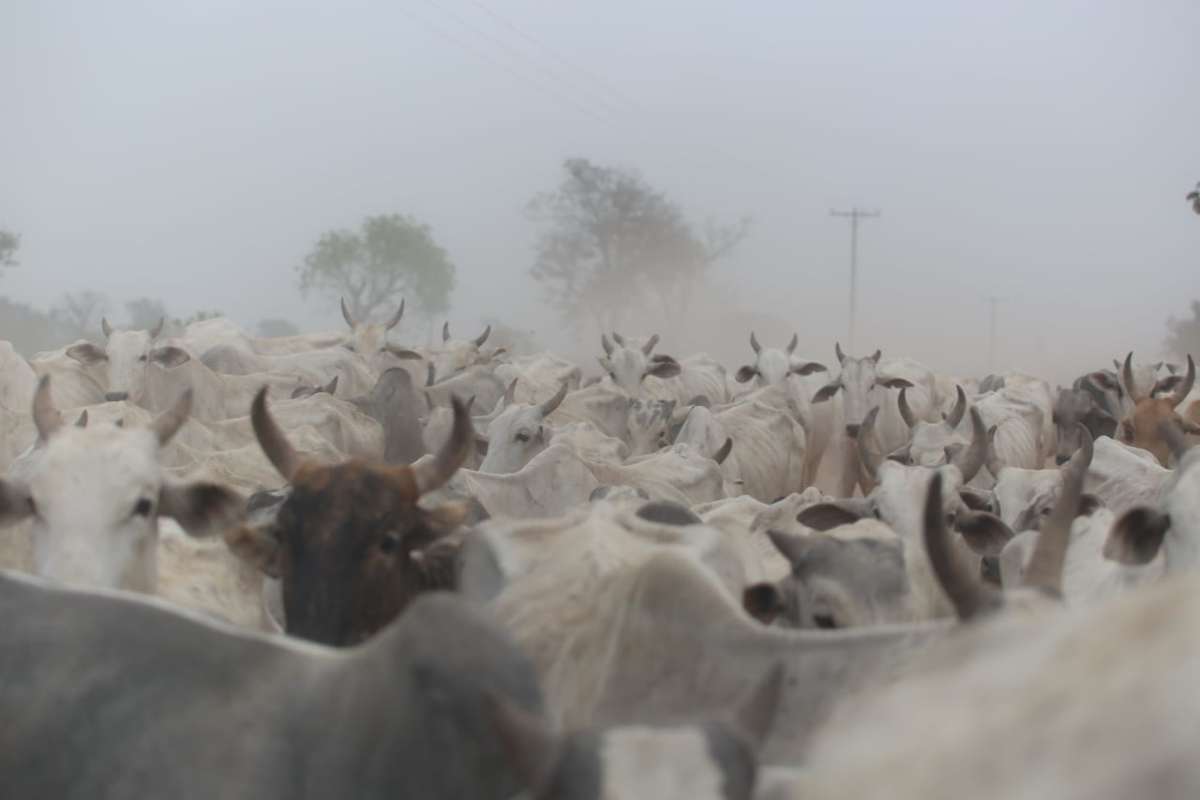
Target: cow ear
{"points": [[763, 602], [15, 502], [169, 356], [808, 368], [258, 546], [744, 374], [201, 508], [984, 533], [1088, 503], [975, 499], [663, 367], [87, 353], [402, 353], [826, 516], [1137, 536], [825, 392], [895, 383], [1105, 381], [449, 516]]}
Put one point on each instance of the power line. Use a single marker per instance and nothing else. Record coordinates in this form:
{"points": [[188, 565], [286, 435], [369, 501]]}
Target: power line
{"points": [[854, 214]]}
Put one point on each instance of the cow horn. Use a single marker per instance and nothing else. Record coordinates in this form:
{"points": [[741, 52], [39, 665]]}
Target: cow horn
{"points": [[793, 344], [968, 596], [905, 412], [1170, 431], [757, 710], [1127, 377], [837, 349], [46, 418], [869, 458], [527, 741], [157, 329], [483, 337], [548, 407], [606, 344], [331, 387], [168, 423], [394, 321], [445, 332], [723, 453], [1050, 551], [271, 439], [754, 345], [434, 474], [955, 417], [83, 419], [994, 464], [1189, 381], [972, 460], [106, 328], [430, 373], [648, 347], [878, 354], [346, 314], [510, 392]]}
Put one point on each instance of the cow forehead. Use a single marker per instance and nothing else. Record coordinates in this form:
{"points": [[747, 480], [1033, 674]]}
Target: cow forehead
{"points": [[99, 460], [639, 762], [354, 487], [128, 343]]}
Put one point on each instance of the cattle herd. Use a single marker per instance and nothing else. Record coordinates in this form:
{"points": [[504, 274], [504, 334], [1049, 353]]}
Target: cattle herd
{"points": [[329, 565]]}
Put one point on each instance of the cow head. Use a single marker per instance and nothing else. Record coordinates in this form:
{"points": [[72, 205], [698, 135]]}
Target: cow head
{"points": [[458, 355], [95, 493], [1078, 406], [308, 391], [125, 353], [861, 386], [369, 339], [1142, 426], [628, 366], [518, 433], [713, 761], [932, 444], [350, 545], [772, 366]]}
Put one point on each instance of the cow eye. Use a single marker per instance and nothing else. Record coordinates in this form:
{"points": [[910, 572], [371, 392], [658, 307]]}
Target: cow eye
{"points": [[142, 357], [142, 508], [390, 543], [825, 621], [522, 437]]}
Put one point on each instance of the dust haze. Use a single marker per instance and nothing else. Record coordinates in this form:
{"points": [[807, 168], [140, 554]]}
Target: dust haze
{"points": [[1036, 153]]}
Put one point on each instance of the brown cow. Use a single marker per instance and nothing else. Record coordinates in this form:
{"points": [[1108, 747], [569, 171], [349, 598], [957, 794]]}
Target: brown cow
{"points": [[350, 544], [1141, 426]]}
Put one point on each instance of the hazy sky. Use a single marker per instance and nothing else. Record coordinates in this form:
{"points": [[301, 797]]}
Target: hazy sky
{"points": [[1037, 151]]}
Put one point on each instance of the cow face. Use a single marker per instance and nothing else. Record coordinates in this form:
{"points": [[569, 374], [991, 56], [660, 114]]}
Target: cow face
{"points": [[649, 425], [1142, 427], [369, 339], [772, 366], [125, 354], [518, 434], [1075, 407], [350, 545], [628, 366], [861, 386], [94, 495], [715, 761]]}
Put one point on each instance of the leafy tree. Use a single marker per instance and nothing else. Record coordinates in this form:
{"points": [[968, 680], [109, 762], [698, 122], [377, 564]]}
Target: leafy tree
{"points": [[144, 313], [1183, 335], [389, 257], [9, 243], [271, 328], [610, 241], [79, 313]]}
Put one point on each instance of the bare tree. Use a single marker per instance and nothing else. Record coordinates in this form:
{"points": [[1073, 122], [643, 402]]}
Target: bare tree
{"points": [[79, 313]]}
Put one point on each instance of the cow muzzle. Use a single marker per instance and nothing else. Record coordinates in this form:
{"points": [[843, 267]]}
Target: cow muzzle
{"points": [[116, 397]]}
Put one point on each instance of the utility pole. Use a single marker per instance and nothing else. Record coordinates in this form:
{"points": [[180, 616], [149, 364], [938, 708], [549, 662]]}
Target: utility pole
{"points": [[992, 303], [854, 214]]}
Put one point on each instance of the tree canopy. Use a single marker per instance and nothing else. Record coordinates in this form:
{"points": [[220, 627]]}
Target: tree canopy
{"points": [[1183, 335], [389, 257], [610, 240], [9, 244], [79, 313]]}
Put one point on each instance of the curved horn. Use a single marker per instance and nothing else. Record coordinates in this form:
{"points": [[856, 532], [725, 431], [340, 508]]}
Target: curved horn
{"points": [[510, 392], [878, 354], [83, 419], [994, 464], [723, 453], [968, 596], [1175, 439], [905, 412], [331, 387], [445, 331], [1185, 388], [430, 373], [46, 418], [754, 345], [547, 408], [954, 418], [157, 329], [274, 444], [483, 337], [650, 344], [619, 339], [972, 460], [793, 344], [346, 314], [1127, 377], [168, 423], [837, 349], [434, 474], [606, 344], [869, 458], [106, 328], [394, 321], [1050, 551]]}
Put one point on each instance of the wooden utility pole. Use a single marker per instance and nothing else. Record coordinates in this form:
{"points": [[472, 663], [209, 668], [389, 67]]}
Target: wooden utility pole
{"points": [[854, 214]]}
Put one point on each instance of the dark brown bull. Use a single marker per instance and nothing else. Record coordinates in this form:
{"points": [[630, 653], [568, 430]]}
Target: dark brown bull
{"points": [[1142, 427], [350, 544]]}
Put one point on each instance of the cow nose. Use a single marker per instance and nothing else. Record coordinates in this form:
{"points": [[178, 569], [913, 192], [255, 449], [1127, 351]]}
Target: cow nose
{"points": [[1060, 460], [852, 431], [116, 397]]}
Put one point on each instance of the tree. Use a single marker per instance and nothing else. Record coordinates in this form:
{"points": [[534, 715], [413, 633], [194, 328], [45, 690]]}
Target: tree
{"points": [[272, 328], [9, 244], [610, 241], [79, 313], [1183, 335], [30, 331], [144, 313], [390, 257]]}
